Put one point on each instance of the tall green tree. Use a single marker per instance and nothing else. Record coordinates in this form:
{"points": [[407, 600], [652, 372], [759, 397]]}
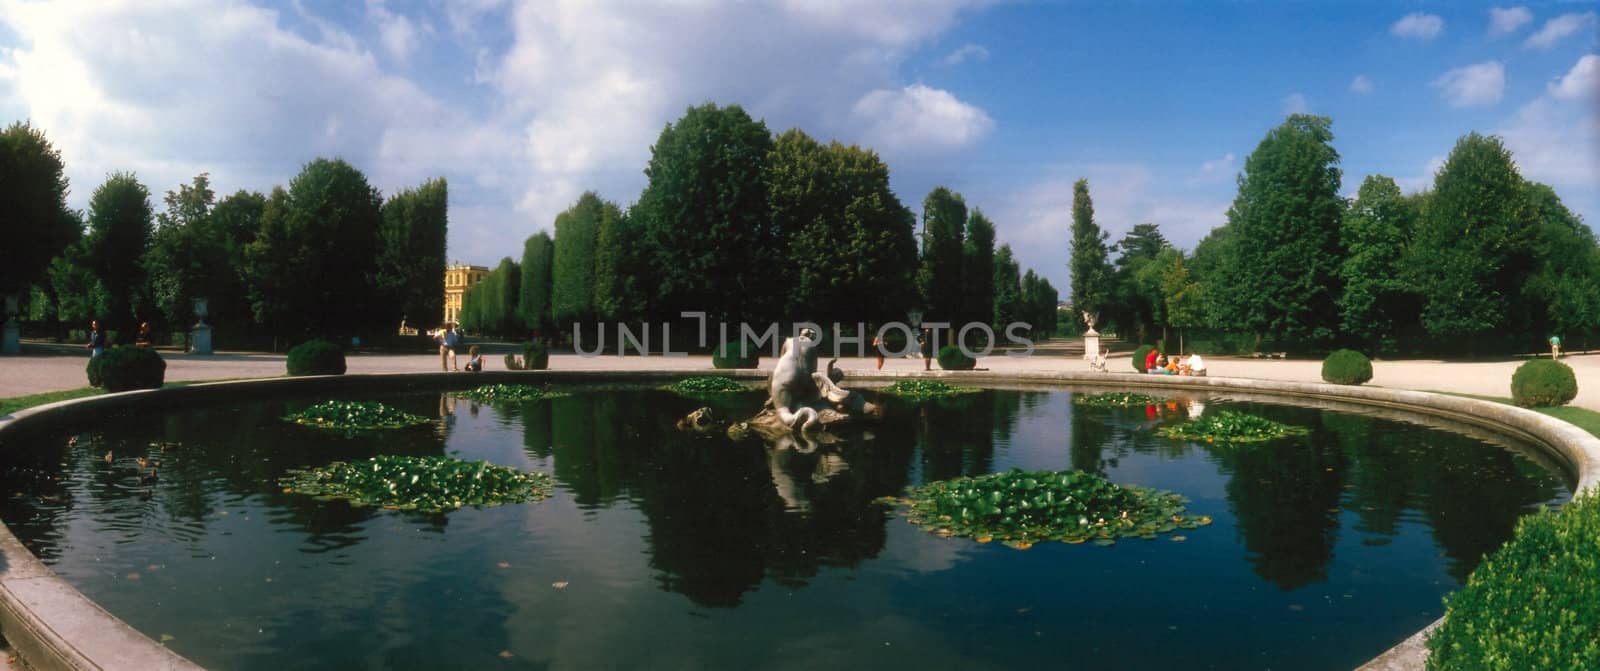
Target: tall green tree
{"points": [[313, 267], [849, 246], [235, 220], [1092, 277], [944, 216], [1376, 300], [1286, 222], [415, 225], [1565, 287], [1474, 248], [1138, 308], [533, 300], [977, 269], [35, 222], [507, 293], [622, 284], [120, 224], [185, 253], [573, 274], [1008, 303], [705, 221]]}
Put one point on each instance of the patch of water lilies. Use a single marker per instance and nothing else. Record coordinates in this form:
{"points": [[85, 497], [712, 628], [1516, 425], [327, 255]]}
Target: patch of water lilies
{"points": [[917, 390], [356, 416], [511, 393], [426, 484], [1227, 426], [1020, 508], [706, 384], [1119, 399]]}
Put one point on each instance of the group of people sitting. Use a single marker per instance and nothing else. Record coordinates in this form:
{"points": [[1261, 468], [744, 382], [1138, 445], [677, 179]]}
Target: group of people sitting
{"points": [[1157, 363]]}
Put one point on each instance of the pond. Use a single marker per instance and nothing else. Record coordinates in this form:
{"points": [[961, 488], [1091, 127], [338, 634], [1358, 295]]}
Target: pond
{"points": [[662, 549]]}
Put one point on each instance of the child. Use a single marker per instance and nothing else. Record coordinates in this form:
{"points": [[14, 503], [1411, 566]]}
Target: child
{"points": [[474, 360]]}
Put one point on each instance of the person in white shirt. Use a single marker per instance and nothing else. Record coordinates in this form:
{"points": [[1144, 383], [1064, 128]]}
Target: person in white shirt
{"points": [[1197, 366]]}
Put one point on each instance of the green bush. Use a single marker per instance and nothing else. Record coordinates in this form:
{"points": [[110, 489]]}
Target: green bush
{"points": [[1139, 356], [1346, 366], [1542, 383], [743, 354], [535, 355], [127, 367], [316, 357], [1531, 604], [952, 358]]}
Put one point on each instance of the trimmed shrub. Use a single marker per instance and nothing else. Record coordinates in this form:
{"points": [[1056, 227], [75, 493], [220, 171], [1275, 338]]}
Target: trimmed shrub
{"points": [[127, 367], [1541, 383], [952, 358], [1140, 354], [535, 355], [1346, 366], [743, 354], [1530, 605], [316, 357]]}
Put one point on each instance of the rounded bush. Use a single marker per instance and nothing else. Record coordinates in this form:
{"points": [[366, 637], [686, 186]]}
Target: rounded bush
{"points": [[535, 355], [316, 357], [743, 354], [1530, 605], [127, 367], [1542, 382], [952, 358], [1346, 366], [1139, 356]]}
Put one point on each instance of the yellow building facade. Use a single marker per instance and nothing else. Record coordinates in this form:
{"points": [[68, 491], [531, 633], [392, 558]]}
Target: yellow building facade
{"points": [[457, 279]]}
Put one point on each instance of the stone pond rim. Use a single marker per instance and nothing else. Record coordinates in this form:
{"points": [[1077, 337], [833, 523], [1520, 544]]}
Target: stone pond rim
{"points": [[53, 626]]}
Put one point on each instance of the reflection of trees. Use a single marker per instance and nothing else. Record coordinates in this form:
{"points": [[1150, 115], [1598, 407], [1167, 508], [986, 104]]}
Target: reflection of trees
{"points": [[1285, 495], [957, 433]]}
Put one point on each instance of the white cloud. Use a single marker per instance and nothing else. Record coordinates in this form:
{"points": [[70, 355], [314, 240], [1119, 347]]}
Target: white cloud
{"points": [[1581, 82], [1473, 85], [1221, 165], [917, 118], [1418, 26], [1503, 21], [1361, 85], [398, 34], [1295, 103], [967, 51], [1558, 29]]}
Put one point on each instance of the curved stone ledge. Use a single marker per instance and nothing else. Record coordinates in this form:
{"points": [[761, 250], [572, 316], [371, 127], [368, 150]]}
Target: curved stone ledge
{"points": [[53, 626]]}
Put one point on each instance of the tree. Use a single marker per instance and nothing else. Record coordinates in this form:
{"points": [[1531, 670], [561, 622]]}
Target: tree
{"points": [[1286, 222], [704, 217], [1139, 307], [944, 214], [235, 220], [621, 275], [573, 273], [1185, 300], [34, 219], [1375, 232], [507, 290], [1008, 303], [849, 246], [1565, 288], [1473, 250], [185, 254], [120, 225], [977, 270], [1091, 271], [414, 229], [312, 269], [533, 300]]}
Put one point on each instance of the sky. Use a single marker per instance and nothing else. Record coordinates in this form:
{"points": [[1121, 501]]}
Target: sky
{"points": [[523, 106]]}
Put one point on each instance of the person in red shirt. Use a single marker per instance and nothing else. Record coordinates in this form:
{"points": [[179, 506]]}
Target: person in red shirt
{"points": [[1150, 360]]}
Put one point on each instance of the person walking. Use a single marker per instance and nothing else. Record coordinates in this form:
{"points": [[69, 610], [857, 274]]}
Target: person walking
{"points": [[877, 346], [926, 341], [447, 347], [97, 339]]}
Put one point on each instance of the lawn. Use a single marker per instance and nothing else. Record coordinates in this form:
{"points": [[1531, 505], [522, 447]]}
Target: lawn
{"points": [[1583, 418]]}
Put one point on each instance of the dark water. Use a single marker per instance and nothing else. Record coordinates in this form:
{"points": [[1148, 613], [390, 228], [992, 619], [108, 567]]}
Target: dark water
{"points": [[673, 551]]}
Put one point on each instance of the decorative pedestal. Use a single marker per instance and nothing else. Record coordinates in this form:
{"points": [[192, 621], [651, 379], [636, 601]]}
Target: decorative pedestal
{"points": [[200, 339], [11, 342], [1091, 344]]}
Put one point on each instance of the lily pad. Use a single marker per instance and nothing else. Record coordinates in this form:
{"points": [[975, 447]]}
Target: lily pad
{"points": [[511, 393], [1118, 400], [706, 384], [918, 390], [1232, 427], [353, 416], [427, 484], [1021, 508]]}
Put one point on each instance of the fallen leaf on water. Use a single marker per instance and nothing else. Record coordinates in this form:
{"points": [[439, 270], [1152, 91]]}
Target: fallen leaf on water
{"points": [[559, 584], [504, 564], [134, 576], [153, 567], [1179, 539], [167, 637], [506, 654], [984, 539]]}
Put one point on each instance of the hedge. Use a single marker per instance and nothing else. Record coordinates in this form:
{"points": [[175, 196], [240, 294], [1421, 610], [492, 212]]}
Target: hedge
{"points": [[1346, 366], [1542, 383], [316, 357], [743, 354], [127, 367]]}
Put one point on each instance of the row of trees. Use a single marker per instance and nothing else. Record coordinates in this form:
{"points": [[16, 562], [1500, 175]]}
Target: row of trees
{"points": [[749, 227], [327, 256], [1484, 261]]}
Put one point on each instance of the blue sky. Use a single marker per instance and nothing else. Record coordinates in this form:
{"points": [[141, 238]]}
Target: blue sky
{"points": [[525, 105]]}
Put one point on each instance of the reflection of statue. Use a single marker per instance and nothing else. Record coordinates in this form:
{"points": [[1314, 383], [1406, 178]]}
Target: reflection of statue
{"points": [[801, 401]]}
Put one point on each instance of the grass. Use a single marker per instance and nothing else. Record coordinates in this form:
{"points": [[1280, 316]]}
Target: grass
{"points": [[1583, 418], [15, 403]]}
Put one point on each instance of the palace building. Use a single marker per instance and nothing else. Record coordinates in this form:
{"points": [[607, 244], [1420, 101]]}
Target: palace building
{"points": [[457, 279]]}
